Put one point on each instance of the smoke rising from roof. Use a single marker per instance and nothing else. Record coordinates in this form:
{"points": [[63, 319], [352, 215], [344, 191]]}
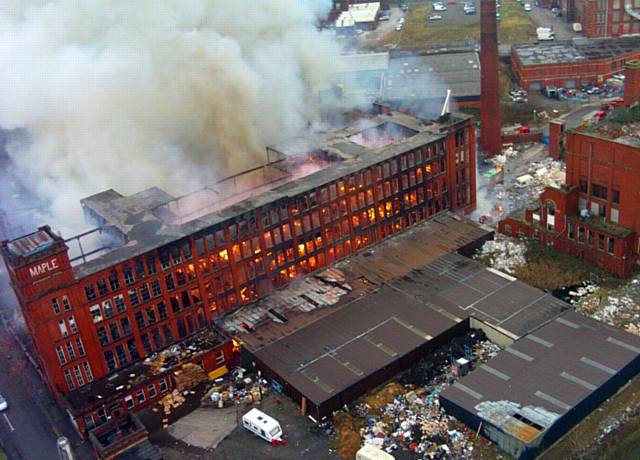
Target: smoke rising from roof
{"points": [[173, 93]]}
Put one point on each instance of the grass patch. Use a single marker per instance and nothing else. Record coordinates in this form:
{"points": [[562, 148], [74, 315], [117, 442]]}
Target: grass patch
{"points": [[417, 35], [623, 444], [546, 269], [515, 25]]}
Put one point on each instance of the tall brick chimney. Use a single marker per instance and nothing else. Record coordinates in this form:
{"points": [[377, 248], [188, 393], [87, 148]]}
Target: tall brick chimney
{"points": [[632, 82], [490, 141]]}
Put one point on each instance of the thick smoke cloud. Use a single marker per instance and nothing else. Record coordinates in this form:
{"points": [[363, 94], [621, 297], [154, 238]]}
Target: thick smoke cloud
{"points": [[129, 94]]}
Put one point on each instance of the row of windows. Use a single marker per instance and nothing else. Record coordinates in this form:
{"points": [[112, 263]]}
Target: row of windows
{"points": [[67, 352], [100, 417], [334, 201], [81, 376], [157, 339], [600, 191], [141, 268], [591, 238]]}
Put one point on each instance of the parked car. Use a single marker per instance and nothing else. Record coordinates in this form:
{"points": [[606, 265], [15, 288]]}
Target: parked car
{"points": [[3, 404], [399, 27], [384, 16], [556, 11], [498, 15], [404, 7], [469, 8], [439, 7], [527, 6], [435, 17]]}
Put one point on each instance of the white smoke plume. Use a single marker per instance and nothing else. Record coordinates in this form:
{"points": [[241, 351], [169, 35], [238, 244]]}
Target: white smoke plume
{"points": [[129, 94]]}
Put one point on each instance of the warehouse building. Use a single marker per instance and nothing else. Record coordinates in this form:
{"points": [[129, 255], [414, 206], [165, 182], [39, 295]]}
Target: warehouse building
{"points": [[393, 304], [415, 82], [571, 64], [536, 390], [170, 266]]}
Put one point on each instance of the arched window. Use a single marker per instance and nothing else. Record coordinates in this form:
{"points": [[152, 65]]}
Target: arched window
{"points": [[551, 208]]}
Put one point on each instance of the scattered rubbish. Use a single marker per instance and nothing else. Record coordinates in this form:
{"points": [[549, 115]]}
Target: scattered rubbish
{"points": [[406, 414]]}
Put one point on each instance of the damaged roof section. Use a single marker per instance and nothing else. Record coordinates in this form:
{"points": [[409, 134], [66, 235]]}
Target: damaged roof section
{"points": [[558, 370], [143, 222], [400, 296]]}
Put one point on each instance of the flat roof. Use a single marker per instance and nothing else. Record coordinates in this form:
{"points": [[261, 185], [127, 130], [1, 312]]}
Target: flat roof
{"points": [[409, 78], [358, 12], [429, 76], [571, 51], [146, 231], [531, 384], [612, 128], [401, 294]]}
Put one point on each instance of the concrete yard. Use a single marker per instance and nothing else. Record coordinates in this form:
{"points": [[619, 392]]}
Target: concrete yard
{"points": [[302, 441], [205, 427]]}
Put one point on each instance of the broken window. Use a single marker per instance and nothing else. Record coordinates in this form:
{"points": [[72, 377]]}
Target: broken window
{"points": [[133, 298], [102, 336], [102, 287], [110, 360], [128, 276], [90, 293], [56, 306], [114, 283], [120, 305]]}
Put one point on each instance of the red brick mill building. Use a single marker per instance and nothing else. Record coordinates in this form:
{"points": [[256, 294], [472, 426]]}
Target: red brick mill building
{"points": [[171, 267], [596, 216], [602, 18], [570, 64]]}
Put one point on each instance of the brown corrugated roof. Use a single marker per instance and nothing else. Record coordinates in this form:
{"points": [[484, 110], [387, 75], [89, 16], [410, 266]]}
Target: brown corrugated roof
{"points": [[404, 291], [547, 372]]}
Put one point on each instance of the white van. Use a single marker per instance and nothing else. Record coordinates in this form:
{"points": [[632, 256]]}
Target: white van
{"points": [[262, 425]]}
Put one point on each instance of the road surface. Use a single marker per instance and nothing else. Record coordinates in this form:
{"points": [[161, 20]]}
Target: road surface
{"points": [[30, 427]]}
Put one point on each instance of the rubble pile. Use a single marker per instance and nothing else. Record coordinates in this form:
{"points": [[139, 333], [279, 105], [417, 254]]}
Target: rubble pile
{"points": [[617, 307], [503, 253], [303, 295], [236, 388], [189, 376], [183, 351], [406, 414]]}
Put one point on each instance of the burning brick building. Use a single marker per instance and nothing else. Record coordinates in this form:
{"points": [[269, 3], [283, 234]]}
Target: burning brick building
{"points": [[111, 325], [595, 217]]}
